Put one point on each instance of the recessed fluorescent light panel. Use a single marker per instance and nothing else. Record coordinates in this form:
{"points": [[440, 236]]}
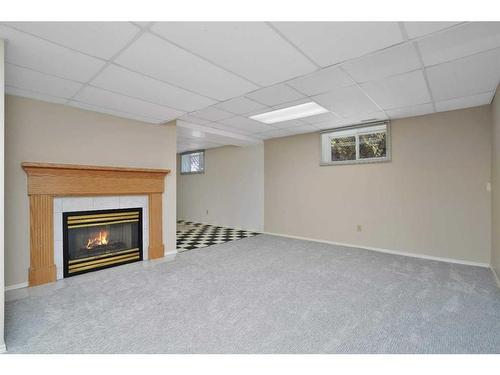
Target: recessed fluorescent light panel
{"points": [[290, 113]]}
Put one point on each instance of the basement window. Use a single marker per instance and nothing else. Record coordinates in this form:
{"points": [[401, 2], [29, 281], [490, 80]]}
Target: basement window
{"points": [[193, 162], [364, 143]]}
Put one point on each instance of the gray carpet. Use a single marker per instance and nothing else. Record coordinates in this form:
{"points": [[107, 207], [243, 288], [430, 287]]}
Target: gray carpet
{"points": [[264, 294]]}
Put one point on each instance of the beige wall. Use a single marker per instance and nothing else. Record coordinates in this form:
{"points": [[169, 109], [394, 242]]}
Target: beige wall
{"points": [[495, 179], [2, 343], [40, 131], [231, 189], [431, 199]]}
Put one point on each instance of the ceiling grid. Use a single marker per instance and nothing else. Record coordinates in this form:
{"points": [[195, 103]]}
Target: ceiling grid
{"points": [[216, 75]]}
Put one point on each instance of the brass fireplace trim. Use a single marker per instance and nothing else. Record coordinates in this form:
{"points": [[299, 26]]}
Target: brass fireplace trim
{"points": [[108, 258], [46, 181], [102, 220], [102, 223], [97, 216], [102, 217], [104, 262], [102, 256]]}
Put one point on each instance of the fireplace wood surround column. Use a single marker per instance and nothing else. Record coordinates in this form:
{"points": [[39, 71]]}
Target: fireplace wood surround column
{"points": [[156, 248], [42, 267], [46, 181]]}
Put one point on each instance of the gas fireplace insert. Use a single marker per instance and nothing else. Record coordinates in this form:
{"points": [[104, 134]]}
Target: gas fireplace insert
{"points": [[93, 240]]}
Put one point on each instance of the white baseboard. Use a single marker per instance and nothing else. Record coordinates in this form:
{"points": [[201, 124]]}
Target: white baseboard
{"points": [[170, 252], [495, 275], [26, 284], [16, 286], [380, 250]]}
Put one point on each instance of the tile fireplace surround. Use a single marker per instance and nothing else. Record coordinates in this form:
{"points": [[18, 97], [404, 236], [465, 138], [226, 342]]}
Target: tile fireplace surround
{"points": [[71, 204], [47, 182]]}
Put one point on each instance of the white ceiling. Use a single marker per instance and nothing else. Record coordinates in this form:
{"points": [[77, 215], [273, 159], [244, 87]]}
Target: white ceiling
{"points": [[214, 75]]}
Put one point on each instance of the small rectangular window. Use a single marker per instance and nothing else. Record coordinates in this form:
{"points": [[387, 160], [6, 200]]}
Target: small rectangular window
{"points": [[356, 144], [193, 162]]}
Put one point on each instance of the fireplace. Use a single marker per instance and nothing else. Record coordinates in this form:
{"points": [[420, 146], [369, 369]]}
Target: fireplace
{"points": [[46, 181], [93, 240]]}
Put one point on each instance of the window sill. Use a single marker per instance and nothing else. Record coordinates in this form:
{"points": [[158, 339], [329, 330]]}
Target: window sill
{"points": [[350, 162], [188, 173]]}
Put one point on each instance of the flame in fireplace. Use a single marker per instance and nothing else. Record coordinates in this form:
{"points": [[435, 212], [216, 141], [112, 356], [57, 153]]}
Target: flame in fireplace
{"points": [[97, 239]]}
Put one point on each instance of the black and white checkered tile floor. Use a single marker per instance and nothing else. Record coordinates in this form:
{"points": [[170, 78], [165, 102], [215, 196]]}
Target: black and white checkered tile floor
{"points": [[196, 235]]}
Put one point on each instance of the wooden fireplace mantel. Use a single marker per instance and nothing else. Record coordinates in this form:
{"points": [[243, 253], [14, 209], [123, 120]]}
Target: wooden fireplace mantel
{"points": [[46, 181]]}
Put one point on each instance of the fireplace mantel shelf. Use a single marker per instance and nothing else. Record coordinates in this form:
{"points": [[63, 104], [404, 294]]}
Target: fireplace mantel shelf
{"points": [[70, 179], [47, 180], [41, 166]]}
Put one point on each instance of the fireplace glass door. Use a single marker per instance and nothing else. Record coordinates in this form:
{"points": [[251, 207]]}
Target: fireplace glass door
{"points": [[95, 240]]}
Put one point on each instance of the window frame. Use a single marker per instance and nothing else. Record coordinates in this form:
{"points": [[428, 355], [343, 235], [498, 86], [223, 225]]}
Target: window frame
{"points": [[203, 165], [386, 158]]}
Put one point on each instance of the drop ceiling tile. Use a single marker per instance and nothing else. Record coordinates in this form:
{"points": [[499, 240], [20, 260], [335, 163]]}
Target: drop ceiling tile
{"points": [[101, 39], [33, 95], [321, 81], [399, 91], [185, 135], [37, 54], [465, 77], [288, 124], [416, 110], [230, 137], [123, 81], [329, 116], [28, 79], [328, 43], [364, 118], [211, 114], [162, 60], [193, 136], [246, 124], [194, 120], [183, 148], [354, 120], [459, 42], [217, 138], [276, 133], [332, 124], [198, 145], [207, 145], [259, 111], [251, 49], [417, 29], [302, 129], [275, 95], [181, 139], [241, 105], [465, 102], [389, 62], [109, 111], [229, 129], [346, 102], [291, 104], [185, 132], [117, 102]]}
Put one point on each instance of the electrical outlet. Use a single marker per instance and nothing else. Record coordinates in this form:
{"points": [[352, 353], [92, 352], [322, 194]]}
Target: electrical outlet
{"points": [[207, 212], [359, 228]]}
